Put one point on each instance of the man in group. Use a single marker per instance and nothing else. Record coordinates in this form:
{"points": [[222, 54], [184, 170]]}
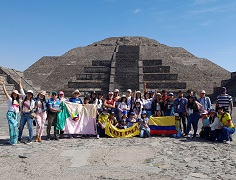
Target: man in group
{"points": [[225, 100], [204, 101], [180, 105]]}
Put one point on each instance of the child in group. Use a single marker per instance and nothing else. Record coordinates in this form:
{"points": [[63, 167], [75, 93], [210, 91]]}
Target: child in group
{"points": [[101, 122], [123, 121], [132, 120], [177, 125], [206, 129], [112, 119], [144, 128]]}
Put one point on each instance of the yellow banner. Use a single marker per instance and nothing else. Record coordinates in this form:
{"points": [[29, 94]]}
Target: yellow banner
{"points": [[112, 131]]}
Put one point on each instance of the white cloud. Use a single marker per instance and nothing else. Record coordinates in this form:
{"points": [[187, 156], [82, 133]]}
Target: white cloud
{"points": [[136, 11]]}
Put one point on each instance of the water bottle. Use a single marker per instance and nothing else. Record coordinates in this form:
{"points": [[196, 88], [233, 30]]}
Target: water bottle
{"points": [[190, 134]]}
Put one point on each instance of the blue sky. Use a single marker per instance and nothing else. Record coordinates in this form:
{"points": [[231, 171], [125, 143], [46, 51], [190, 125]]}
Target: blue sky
{"points": [[32, 29]]}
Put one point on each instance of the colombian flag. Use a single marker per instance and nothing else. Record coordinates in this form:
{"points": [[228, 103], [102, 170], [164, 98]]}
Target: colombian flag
{"points": [[162, 125]]}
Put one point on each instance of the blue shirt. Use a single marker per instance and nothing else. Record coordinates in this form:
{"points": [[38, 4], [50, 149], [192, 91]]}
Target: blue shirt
{"points": [[54, 103], [76, 100], [180, 104]]}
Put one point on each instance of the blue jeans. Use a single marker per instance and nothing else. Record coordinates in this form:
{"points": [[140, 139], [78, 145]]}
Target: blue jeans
{"points": [[224, 134], [193, 119], [23, 121], [144, 131]]}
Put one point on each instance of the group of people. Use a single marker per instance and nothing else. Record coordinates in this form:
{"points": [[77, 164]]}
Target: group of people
{"points": [[122, 111]]}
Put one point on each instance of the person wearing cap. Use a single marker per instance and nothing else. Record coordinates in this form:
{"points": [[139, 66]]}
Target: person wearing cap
{"points": [[227, 126], [53, 105], [144, 128], [76, 98], [205, 101], [41, 114], [122, 106], [122, 124], [27, 108], [169, 105], [130, 99], [61, 96], [215, 125], [206, 129], [109, 102], [225, 100], [101, 122], [112, 119], [180, 104], [12, 113], [131, 120]]}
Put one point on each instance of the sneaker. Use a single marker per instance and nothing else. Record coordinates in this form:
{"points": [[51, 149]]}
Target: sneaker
{"points": [[230, 137], [227, 142], [98, 136], [48, 139], [57, 138], [29, 142]]}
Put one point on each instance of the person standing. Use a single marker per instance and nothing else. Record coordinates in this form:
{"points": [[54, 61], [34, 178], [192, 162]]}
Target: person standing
{"points": [[53, 106], [225, 100], [41, 114], [204, 101], [180, 105], [12, 113], [27, 107]]}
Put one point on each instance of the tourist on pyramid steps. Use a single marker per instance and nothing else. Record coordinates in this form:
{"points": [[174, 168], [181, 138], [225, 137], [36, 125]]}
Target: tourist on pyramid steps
{"points": [[61, 96], [132, 120], [215, 125], [157, 104], [137, 109], [138, 96], [193, 116], [225, 100], [204, 101], [99, 103], [53, 105], [12, 113], [227, 126], [116, 98], [93, 97], [27, 108], [130, 100], [112, 119], [41, 114], [101, 122], [123, 106], [144, 128], [109, 102], [122, 123], [169, 109], [147, 104], [206, 129], [75, 98], [180, 104]]}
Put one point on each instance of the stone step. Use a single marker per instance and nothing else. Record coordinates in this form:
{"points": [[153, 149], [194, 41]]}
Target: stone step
{"points": [[155, 76], [106, 63], [96, 69], [87, 84], [156, 69], [92, 76], [128, 49], [157, 62], [164, 85]]}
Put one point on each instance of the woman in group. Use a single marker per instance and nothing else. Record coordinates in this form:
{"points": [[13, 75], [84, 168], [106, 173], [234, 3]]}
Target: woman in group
{"points": [[12, 113], [41, 114], [147, 104], [28, 105], [144, 127], [226, 125], [215, 125], [193, 115], [123, 106]]}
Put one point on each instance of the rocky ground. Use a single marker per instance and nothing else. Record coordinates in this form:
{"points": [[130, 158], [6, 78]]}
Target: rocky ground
{"points": [[110, 158]]}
